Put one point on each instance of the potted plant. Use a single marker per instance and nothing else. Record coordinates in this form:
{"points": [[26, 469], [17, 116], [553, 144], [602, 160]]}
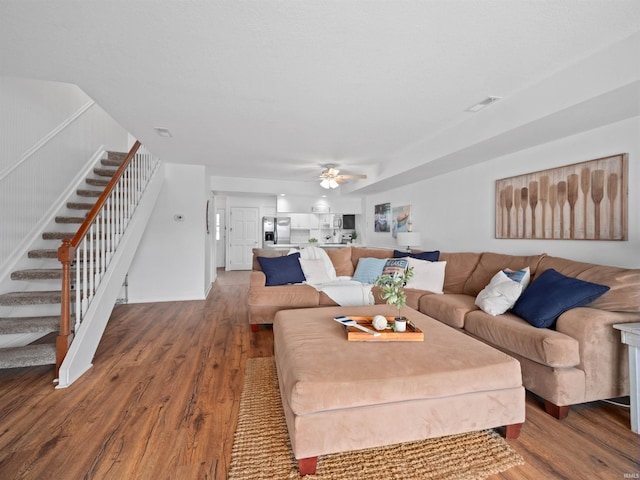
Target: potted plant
{"points": [[354, 237], [391, 289]]}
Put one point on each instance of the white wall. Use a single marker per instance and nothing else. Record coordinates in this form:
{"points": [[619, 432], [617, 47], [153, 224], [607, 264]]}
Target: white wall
{"points": [[456, 212], [48, 133], [170, 262]]}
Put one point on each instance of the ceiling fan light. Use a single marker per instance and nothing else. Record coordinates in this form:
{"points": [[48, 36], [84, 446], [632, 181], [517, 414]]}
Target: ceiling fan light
{"points": [[325, 183], [333, 183]]}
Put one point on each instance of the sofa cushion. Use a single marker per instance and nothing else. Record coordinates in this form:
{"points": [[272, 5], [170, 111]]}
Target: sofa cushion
{"points": [[514, 334], [282, 270], [459, 268], [362, 252], [315, 271], [427, 275], [490, 263], [450, 308], [551, 294], [429, 256], [283, 296], [265, 252], [369, 269], [624, 283], [341, 259]]}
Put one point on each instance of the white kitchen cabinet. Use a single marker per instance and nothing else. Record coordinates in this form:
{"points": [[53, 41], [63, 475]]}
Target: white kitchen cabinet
{"points": [[316, 205], [300, 221]]}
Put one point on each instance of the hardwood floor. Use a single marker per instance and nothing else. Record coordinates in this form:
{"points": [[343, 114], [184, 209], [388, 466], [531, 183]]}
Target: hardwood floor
{"points": [[162, 398]]}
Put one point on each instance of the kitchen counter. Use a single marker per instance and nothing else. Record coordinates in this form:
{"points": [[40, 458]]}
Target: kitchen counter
{"points": [[283, 246]]}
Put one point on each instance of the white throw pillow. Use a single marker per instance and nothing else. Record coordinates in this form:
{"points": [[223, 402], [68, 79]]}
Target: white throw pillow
{"points": [[314, 271], [500, 295], [317, 253], [427, 275]]}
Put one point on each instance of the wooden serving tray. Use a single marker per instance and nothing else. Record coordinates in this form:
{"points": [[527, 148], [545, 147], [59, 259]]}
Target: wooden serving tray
{"points": [[412, 334]]}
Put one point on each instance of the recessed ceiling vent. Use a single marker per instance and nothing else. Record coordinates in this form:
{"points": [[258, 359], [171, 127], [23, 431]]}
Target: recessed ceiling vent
{"points": [[163, 132], [483, 104]]}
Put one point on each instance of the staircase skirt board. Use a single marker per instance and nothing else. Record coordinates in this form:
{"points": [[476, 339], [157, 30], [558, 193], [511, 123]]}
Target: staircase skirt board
{"points": [[28, 356]]}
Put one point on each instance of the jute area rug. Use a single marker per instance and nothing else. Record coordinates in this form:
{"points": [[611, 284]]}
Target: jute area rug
{"points": [[261, 448]]}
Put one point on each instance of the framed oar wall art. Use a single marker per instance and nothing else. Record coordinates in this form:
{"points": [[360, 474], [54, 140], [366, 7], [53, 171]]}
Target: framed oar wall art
{"points": [[582, 201]]}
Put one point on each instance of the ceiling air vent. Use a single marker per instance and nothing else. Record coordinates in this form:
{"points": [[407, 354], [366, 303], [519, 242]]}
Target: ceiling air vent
{"points": [[483, 104], [163, 132]]}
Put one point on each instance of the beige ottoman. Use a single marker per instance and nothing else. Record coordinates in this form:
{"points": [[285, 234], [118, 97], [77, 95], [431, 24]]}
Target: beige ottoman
{"points": [[341, 395]]}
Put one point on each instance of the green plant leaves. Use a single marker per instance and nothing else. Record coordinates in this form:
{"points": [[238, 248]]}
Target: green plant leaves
{"points": [[392, 288]]}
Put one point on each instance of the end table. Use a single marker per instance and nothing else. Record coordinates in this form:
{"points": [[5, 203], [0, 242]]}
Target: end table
{"points": [[630, 333]]}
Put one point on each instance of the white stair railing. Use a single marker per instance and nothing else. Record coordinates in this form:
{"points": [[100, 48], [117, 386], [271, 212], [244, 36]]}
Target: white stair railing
{"points": [[93, 246]]}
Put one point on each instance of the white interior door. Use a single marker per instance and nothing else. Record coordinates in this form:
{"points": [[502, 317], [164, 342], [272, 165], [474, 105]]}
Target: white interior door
{"points": [[243, 236]]}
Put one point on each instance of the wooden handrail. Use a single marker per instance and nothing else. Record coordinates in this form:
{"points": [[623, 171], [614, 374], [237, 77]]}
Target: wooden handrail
{"points": [[66, 255], [93, 213]]}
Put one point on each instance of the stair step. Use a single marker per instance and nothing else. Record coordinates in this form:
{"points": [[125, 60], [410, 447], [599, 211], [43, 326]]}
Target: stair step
{"points": [[43, 253], [97, 182], [63, 235], [119, 156], [32, 298], [80, 206], [39, 274], [66, 219], [57, 235], [104, 172], [28, 356], [15, 325], [89, 193], [111, 162]]}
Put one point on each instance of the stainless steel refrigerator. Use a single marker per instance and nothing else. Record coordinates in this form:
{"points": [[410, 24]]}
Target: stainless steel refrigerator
{"points": [[276, 230]]}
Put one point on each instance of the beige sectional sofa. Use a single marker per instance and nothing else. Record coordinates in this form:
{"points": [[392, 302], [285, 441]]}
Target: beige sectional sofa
{"points": [[580, 359]]}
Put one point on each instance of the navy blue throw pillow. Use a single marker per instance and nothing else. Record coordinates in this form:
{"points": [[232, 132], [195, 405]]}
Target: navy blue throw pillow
{"points": [[429, 256], [552, 294], [282, 270]]}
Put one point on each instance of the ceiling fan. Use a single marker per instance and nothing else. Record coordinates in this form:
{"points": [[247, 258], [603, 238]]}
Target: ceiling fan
{"points": [[331, 177]]}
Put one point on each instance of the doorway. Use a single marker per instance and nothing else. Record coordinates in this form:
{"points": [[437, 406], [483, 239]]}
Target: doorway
{"points": [[243, 237]]}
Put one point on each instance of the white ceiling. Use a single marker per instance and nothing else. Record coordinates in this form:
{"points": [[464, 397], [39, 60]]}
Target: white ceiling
{"points": [[274, 88]]}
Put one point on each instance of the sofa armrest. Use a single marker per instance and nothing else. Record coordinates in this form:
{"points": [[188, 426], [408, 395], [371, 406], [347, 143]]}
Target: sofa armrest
{"points": [[603, 357], [257, 279]]}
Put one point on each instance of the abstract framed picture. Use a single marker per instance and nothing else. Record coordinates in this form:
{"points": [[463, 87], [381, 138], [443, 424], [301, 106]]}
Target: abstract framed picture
{"points": [[381, 222], [581, 201]]}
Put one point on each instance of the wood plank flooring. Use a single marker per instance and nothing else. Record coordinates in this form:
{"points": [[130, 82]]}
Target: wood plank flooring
{"points": [[162, 398]]}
